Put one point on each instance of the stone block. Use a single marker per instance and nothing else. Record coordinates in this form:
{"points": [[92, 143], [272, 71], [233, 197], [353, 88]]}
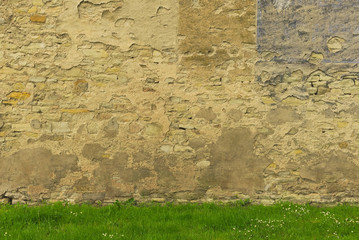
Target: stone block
{"points": [[37, 79], [38, 18], [60, 127], [21, 127]]}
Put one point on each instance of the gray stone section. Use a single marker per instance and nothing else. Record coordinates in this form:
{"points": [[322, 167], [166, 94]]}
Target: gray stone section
{"points": [[293, 28]]}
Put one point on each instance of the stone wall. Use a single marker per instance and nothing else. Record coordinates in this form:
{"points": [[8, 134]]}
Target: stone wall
{"points": [[185, 100]]}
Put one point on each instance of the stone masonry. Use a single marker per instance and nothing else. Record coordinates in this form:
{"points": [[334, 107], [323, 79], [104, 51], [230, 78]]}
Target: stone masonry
{"points": [[179, 100]]}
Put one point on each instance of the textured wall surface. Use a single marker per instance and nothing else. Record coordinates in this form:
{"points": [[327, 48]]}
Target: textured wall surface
{"points": [[185, 100]]}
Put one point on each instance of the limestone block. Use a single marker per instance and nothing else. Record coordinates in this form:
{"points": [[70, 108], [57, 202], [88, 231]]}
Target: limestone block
{"points": [[60, 127], [37, 79], [21, 127]]}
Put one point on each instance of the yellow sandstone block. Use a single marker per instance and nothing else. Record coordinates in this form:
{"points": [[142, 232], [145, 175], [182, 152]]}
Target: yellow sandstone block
{"points": [[6, 70], [38, 18], [32, 10], [293, 101], [19, 95], [20, 11], [95, 53], [31, 134], [19, 86], [37, 3], [272, 166], [10, 102], [343, 145], [267, 100], [296, 152], [342, 124], [114, 69]]}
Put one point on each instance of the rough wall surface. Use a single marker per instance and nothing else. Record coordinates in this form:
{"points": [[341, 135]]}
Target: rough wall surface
{"points": [[185, 100]]}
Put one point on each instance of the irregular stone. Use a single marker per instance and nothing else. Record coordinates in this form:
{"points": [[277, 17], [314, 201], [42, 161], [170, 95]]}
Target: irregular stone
{"points": [[111, 128], [235, 114], [295, 76], [38, 18], [92, 128], [335, 44], [105, 77], [95, 53], [135, 127], [180, 148], [153, 129], [265, 76], [157, 56], [319, 76], [166, 148], [312, 90], [293, 101], [197, 143], [60, 127], [322, 90], [268, 100], [128, 117], [343, 145], [21, 127], [121, 78], [342, 124], [206, 113], [37, 2], [346, 83], [55, 138], [37, 79], [81, 86], [19, 95], [203, 164], [316, 58]]}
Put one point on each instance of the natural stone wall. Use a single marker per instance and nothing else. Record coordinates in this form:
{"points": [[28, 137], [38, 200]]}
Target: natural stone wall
{"points": [[190, 100]]}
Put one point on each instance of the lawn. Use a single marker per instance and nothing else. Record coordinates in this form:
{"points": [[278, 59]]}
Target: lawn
{"points": [[153, 221]]}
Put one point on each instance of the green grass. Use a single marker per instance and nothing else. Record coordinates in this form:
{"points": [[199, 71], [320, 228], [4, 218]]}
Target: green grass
{"points": [[184, 221]]}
